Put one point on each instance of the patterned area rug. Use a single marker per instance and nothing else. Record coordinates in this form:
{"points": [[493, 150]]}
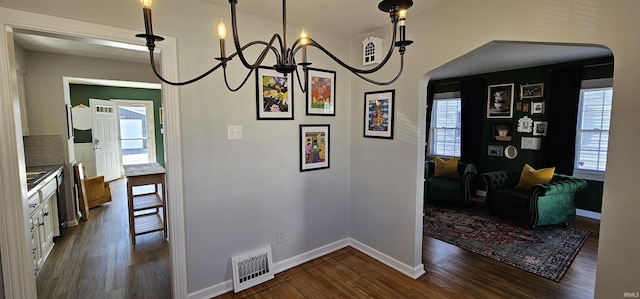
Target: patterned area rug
{"points": [[546, 251]]}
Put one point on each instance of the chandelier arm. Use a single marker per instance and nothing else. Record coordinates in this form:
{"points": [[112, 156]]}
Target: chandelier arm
{"points": [[153, 66], [226, 82], [306, 73], [236, 42], [222, 63], [387, 82]]}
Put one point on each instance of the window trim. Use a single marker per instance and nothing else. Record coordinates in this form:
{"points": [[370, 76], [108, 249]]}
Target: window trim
{"points": [[436, 97], [594, 175]]}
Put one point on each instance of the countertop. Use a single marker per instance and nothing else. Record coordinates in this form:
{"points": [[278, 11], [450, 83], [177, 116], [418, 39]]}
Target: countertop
{"points": [[48, 172]]}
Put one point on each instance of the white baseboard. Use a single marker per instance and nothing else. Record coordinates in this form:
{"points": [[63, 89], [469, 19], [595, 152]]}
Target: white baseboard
{"points": [[300, 259], [588, 214], [281, 266], [389, 261]]}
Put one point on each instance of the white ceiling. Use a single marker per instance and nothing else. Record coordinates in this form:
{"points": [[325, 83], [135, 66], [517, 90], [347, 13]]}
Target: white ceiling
{"points": [[343, 18], [504, 55], [494, 56]]}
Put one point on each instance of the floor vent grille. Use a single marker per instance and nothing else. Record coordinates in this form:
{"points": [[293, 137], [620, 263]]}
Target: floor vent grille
{"points": [[252, 268]]}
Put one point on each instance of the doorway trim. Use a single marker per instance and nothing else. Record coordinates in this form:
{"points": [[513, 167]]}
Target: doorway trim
{"points": [[18, 278]]}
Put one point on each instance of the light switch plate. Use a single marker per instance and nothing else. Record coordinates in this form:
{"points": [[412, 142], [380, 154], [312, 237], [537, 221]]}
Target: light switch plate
{"points": [[234, 132]]}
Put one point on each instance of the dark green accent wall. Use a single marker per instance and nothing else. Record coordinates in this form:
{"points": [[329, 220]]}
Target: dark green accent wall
{"points": [[589, 199], [80, 94]]}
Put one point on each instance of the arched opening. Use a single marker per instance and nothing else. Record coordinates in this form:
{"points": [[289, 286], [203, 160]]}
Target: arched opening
{"points": [[526, 69]]}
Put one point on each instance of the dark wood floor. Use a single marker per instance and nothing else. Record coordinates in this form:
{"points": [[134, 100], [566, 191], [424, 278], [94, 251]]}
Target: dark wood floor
{"points": [[451, 272], [96, 260]]}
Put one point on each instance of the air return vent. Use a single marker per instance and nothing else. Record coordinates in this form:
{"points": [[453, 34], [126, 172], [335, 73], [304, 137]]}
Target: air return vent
{"points": [[252, 268]]}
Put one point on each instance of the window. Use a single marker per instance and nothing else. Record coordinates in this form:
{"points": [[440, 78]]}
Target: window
{"points": [[592, 134], [444, 137]]}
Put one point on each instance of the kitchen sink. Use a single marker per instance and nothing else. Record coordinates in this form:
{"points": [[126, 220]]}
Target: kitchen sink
{"points": [[33, 177]]}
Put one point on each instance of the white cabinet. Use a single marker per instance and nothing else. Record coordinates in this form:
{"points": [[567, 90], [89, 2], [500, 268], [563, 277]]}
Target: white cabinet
{"points": [[42, 223]]}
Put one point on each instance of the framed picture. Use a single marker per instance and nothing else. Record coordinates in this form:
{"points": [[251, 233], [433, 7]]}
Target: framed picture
{"points": [[314, 147], [511, 152], [539, 128], [495, 150], [537, 107], [321, 92], [528, 91], [530, 143], [500, 101], [502, 132], [525, 124], [274, 99], [378, 114]]}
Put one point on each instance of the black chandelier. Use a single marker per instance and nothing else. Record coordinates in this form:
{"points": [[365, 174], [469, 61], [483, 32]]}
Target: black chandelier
{"points": [[285, 57]]}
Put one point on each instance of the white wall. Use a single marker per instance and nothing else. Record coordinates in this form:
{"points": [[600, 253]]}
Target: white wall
{"points": [[379, 208], [237, 194]]}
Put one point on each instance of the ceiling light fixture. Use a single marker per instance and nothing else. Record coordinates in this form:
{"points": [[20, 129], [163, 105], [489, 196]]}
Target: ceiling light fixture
{"points": [[285, 57]]}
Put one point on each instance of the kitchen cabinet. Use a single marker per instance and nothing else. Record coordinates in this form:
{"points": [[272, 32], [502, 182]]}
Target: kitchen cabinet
{"points": [[41, 219]]}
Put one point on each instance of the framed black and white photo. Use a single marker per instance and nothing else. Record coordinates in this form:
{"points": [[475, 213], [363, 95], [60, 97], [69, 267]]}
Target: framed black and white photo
{"points": [[314, 147], [529, 91], [321, 92], [378, 114], [537, 107], [500, 101], [539, 128], [274, 98]]}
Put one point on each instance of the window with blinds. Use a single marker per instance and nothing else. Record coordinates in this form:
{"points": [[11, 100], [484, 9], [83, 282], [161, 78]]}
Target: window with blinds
{"points": [[592, 135], [444, 135]]}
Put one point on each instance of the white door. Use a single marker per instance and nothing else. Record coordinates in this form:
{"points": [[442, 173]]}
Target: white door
{"points": [[105, 138]]}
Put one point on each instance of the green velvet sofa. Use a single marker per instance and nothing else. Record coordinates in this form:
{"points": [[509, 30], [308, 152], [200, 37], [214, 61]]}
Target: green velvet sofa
{"points": [[544, 204], [450, 189]]}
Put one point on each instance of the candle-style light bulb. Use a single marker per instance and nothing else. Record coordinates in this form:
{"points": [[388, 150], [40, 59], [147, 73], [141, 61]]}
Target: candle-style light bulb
{"points": [[222, 33], [402, 22], [146, 3], [303, 37], [402, 14], [222, 30], [304, 41], [146, 10]]}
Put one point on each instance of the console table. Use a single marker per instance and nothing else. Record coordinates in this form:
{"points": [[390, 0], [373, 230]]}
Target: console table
{"points": [[147, 211]]}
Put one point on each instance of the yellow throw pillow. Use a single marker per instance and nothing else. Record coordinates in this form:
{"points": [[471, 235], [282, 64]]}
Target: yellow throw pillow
{"points": [[446, 169], [530, 177]]}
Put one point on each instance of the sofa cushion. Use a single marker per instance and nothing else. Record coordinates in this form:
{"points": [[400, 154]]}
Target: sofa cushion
{"points": [[531, 177], [446, 169], [440, 183]]}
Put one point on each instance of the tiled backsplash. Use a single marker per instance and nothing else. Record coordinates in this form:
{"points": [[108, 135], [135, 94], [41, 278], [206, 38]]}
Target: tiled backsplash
{"points": [[43, 150]]}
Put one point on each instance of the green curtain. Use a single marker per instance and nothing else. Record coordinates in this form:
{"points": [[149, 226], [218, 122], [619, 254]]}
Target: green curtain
{"points": [[562, 110], [430, 94], [473, 93]]}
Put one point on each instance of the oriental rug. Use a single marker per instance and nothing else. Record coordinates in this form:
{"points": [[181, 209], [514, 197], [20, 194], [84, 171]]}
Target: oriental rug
{"points": [[547, 251]]}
